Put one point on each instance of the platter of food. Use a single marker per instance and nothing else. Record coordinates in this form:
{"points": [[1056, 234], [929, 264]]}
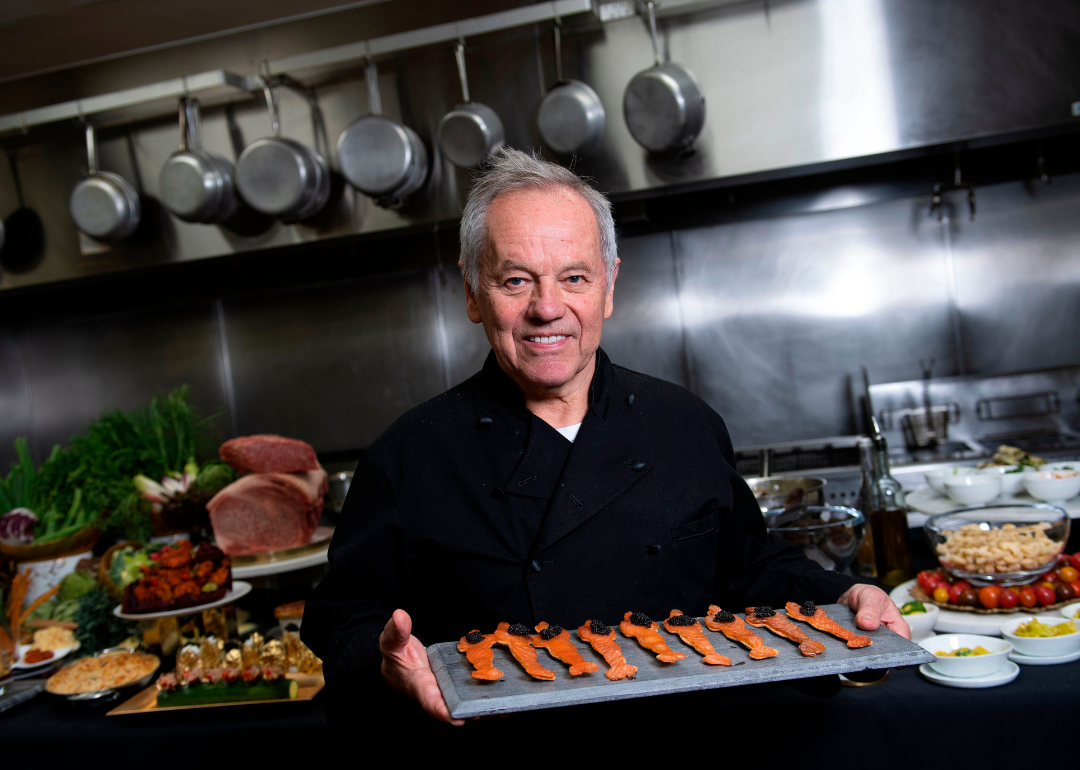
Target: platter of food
{"points": [[28, 657], [284, 688], [100, 676], [239, 589], [516, 668]]}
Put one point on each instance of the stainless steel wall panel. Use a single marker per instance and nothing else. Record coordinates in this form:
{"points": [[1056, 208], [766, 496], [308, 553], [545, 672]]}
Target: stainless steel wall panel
{"points": [[14, 398], [79, 369], [1018, 276], [645, 331], [467, 345], [780, 313], [334, 365]]}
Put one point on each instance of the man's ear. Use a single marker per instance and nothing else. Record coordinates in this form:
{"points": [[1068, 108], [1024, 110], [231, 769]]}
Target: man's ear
{"points": [[609, 300], [472, 304]]}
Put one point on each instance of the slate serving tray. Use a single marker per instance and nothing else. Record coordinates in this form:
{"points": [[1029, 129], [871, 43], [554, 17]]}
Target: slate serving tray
{"points": [[517, 691]]}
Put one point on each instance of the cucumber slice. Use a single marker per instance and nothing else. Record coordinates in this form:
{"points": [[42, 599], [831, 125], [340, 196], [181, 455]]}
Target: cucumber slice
{"points": [[221, 692]]}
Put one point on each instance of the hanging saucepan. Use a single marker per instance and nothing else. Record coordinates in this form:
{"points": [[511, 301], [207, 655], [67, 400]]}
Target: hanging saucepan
{"points": [[281, 177], [664, 105], [379, 156], [196, 185], [24, 234], [470, 132], [104, 205], [571, 117]]}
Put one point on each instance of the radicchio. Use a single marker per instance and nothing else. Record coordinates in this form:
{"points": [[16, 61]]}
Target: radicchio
{"points": [[17, 526]]}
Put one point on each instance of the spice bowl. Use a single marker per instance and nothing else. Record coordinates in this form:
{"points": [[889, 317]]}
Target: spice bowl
{"points": [[967, 667], [973, 488]]}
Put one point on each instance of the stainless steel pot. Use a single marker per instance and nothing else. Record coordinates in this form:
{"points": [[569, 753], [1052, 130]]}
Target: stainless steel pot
{"points": [[470, 132], [379, 156], [196, 185], [103, 205], [774, 492], [571, 117], [281, 177], [664, 105]]}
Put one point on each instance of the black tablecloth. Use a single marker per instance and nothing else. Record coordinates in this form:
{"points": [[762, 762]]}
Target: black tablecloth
{"points": [[903, 721]]}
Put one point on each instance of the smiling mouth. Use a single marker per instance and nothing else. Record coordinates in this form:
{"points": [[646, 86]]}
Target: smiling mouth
{"points": [[546, 340]]}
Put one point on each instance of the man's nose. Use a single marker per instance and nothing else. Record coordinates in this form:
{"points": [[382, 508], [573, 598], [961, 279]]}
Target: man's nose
{"points": [[546, 304]]}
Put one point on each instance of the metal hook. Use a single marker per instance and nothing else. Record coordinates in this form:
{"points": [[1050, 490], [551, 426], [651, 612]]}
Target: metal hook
{"points": [[936, 202], [271, 95], [459, 54], [371, 75], [650, 9], [557, 31]]}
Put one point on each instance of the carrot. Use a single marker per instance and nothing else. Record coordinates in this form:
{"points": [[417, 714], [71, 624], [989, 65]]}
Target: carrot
{"points": [[19, 585], [37, 603], [6, 642]]}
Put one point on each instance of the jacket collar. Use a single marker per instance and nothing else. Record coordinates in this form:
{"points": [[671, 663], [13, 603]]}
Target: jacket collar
{"points": [[501, 389]]}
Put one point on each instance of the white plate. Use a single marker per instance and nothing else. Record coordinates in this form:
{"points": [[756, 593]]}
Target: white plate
{"points": [[239, 589], [953, 622], [1004, 675], [927, 501], [22, 649], [1040, 660]]}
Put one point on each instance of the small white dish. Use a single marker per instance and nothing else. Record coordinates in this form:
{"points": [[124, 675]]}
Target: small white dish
{"points": [[1004, 675], [22, 649], [922, 625], [1012, 478], [1040, 646], [936, 479], [1071, 611], [973, 488], [1052, 485], [973, 665], [1070, 465], [1040, 660]]}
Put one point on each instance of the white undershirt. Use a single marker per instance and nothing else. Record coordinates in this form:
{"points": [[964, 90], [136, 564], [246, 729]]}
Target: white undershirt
{"points": [[570, 432]]}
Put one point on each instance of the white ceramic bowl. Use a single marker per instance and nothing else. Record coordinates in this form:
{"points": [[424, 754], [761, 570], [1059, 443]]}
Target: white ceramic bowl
{"points": [[973, 488], [1039, 646], [936, 479], [1012, 478], [1072, 612], [975, 665], [1052, 485], [1071, 465], [923, 625]]}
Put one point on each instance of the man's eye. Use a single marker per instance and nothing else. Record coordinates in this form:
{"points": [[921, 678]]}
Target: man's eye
{"points": [[576, 279], [515, 281]]}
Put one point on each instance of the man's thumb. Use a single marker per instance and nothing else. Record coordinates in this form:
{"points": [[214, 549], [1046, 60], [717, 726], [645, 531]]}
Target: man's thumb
{"points": [[397, 632]]}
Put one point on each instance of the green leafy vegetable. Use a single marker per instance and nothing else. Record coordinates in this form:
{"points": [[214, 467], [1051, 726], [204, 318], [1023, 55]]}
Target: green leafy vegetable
{"points": [[75, 585], [98, 627], [124, 568], [66, 610]]}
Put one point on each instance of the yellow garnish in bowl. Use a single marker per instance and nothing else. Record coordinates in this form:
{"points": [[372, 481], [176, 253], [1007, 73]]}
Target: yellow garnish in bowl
{"points": [[1035, 628], [965, 652]]}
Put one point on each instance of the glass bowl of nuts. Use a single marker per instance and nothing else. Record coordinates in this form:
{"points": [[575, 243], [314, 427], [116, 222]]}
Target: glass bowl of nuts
{"points": [[999, 544]]}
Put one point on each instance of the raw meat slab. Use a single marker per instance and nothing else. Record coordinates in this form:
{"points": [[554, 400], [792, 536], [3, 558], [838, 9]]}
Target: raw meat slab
{"points": [[516, 691]]}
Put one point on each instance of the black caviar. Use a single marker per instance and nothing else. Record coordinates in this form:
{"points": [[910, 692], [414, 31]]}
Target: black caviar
{"points": [[519, 629], [682, 620], [764, 612], [808, 608], [550, 632], [474, 637], [640, 619], [599, 628], [723, 616]]}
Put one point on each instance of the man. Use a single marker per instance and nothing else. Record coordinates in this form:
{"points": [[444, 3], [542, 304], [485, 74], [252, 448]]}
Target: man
{"points": [[553, 485]]}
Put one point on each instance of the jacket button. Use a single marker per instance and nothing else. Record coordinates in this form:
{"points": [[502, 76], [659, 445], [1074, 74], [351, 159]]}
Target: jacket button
{"points": [[498, 494], [630, 399], [486, 422], [639, 465], [652, 550], [536, 566]]}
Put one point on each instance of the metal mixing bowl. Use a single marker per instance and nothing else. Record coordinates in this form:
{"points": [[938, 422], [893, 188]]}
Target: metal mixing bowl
{"points": [[828, 534], [772, 491]]}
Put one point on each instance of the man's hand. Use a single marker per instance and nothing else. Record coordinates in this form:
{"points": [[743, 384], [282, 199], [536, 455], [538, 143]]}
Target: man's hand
{"points": [[405, 667], [872, 607]]}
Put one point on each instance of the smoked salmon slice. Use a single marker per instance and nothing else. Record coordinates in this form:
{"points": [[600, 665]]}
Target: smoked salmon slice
{"points": [[640, 626], [603, 641], [556, 640], [478, 650], [816, 617], [689, 630], [517, 638], [766, 617], [733, 628]]}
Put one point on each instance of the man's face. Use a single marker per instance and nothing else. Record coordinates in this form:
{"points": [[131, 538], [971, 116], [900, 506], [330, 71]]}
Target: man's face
{"points": [[543, 293]]}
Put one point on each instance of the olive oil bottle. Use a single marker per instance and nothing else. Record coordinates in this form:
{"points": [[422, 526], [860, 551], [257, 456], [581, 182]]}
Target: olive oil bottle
{"points": [[882, 502]]}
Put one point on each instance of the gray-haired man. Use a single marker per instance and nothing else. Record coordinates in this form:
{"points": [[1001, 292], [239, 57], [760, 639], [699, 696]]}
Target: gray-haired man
{"points": [[551, 486]]}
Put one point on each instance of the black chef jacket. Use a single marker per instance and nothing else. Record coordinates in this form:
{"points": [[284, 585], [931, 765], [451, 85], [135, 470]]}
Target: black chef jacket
{"points": [[470, 510]]}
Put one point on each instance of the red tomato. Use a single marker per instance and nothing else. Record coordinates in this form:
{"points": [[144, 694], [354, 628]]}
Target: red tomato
{"points": [[1076, 587], [1068, 574], [928, 581], [1074, 560], [954, 592], [1009, 598], [1045, 595], [1050, 576], [963, 584], [989, 596], [1028, 597], [941, 594]]}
